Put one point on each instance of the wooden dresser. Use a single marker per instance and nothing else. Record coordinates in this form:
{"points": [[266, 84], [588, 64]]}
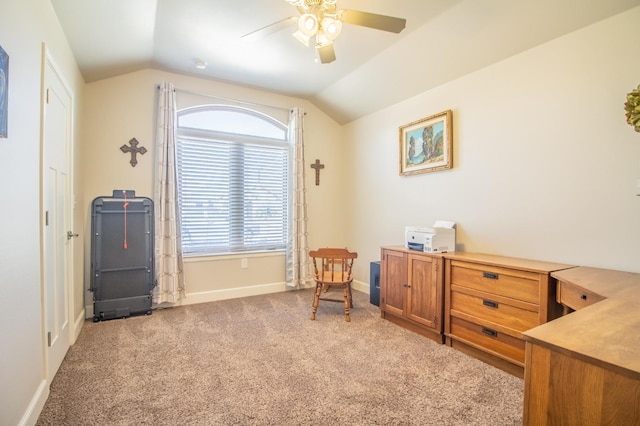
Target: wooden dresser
{"points": [[411, 284], [490, 300], [584, 368]]}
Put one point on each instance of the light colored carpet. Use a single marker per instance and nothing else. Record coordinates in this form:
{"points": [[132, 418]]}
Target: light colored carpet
{"points": [[261, 361]]}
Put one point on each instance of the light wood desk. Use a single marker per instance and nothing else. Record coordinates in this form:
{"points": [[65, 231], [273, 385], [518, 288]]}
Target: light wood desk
{"points": [[584, 368]]}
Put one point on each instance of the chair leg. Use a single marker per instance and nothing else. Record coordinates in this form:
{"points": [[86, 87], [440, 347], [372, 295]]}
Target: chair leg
{"points": [[345, 292], [350, 296], [316, 300]]}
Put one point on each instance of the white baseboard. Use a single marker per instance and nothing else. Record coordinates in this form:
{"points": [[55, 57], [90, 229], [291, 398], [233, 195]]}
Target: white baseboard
{"points": [[232, 293], [88, 311], [77, 326], [360, 286], [36, 405], [224, 294]]}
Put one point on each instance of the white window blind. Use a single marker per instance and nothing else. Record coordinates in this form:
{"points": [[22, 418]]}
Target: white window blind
{"points": [[232, 186]]}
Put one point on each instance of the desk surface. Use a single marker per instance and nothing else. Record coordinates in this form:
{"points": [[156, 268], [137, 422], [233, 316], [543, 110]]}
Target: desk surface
{"points": [[507, 262], [606, 333]]}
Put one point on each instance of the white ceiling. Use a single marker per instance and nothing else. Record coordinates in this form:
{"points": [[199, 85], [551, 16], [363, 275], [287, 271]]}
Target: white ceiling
{"points": [[443, 40]]}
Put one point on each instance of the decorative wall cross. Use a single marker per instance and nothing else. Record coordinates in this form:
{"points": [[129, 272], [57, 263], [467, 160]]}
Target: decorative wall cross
{"points": [[133, 149], [317, 166]]}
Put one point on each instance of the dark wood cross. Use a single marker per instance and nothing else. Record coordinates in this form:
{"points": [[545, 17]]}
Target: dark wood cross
{"points": [[133, 149], [317, 166]]}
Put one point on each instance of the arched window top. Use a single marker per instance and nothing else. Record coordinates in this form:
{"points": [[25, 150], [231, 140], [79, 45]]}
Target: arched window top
{"points": [[232, 119]]}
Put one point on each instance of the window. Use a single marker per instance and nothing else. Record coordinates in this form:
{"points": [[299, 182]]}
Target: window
{"points": [[232, 180]]}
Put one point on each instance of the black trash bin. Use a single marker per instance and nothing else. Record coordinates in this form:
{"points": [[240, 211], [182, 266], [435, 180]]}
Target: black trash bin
{"points": [[374, 283]]}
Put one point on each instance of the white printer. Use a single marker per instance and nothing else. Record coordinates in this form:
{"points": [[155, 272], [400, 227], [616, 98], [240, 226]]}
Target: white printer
{"points": [[438, 239]]}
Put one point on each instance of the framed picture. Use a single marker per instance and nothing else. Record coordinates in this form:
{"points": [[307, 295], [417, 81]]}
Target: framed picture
{"points": [[425, 144], [4, 92]]}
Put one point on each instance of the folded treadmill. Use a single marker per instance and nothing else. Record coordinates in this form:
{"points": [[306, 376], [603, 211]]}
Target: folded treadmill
{"points": [[122, 264]]}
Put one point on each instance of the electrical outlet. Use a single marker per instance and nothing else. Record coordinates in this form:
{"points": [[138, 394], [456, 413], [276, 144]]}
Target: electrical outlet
{"points": [[244, 263]]}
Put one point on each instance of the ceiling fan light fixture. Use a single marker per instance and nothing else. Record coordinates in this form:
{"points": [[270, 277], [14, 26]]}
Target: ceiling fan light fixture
{"points": [[331, 27], [308, 24], [297, 3], [301, 37], [322, 39]]}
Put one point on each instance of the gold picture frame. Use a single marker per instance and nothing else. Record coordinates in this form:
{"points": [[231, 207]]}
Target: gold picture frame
{"points": [[426, 144]]}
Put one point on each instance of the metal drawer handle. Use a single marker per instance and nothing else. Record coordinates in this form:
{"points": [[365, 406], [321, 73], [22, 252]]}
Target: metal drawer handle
{"points": [[489, 332], [490, 275], [583, 296], [489, 303]]}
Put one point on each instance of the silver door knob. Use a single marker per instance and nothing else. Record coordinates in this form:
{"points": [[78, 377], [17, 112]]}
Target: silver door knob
{"points": [[71, 235]]}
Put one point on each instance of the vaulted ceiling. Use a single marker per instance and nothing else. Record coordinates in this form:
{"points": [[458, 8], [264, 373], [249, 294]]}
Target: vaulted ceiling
{"points": [[443, 40]]}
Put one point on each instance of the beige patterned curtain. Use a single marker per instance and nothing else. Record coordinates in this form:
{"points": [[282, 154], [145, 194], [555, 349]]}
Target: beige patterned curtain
{"points": [[168, 245], [297, 253]]}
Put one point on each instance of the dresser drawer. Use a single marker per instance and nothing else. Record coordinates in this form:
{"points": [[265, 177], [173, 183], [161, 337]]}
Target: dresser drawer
{"points": [[517, 315], [488, 339], [575, 297], [520, 285]]}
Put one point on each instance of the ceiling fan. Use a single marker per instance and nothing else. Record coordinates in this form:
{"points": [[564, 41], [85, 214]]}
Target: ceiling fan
{"points": [[321, 20]]}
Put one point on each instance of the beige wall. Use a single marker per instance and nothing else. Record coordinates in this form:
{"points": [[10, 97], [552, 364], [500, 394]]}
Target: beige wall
{"points": [[123, 107], [545, 166], [24, 26]]}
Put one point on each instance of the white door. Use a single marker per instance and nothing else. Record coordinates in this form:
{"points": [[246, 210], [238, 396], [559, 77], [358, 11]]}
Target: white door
{"points": [[56, 203]]}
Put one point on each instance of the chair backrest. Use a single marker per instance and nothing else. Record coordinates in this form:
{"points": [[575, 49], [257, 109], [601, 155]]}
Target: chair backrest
{"points": [[332, 265]]}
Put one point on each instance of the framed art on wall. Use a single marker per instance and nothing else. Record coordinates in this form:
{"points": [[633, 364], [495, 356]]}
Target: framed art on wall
{"points": [[4, 92], [426, 144]]}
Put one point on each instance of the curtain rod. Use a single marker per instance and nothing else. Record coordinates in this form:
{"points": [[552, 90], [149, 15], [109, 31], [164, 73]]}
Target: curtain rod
{"points": [[229, 99]]}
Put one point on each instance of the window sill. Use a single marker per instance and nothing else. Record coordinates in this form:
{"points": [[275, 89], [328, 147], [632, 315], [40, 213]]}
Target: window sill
{"points": [[188, 258]]}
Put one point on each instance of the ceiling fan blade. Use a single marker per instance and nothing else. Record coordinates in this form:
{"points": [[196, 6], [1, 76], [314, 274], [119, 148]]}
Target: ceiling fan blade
{"points": [[373, 20], [327, 54], [270, 29]]}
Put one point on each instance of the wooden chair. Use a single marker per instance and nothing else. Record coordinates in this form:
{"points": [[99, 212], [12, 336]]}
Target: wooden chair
{"points": [[332, 268]]}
